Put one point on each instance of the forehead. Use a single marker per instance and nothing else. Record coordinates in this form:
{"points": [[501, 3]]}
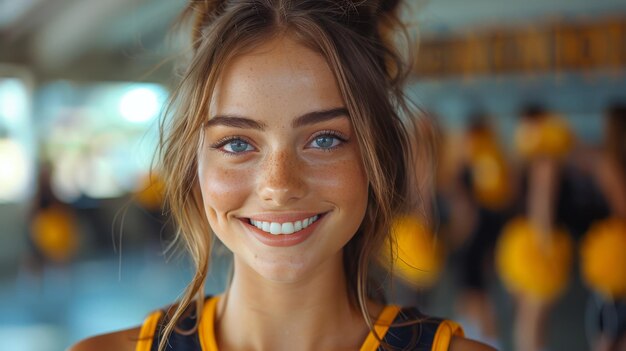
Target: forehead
{"points": [[280, 76]]}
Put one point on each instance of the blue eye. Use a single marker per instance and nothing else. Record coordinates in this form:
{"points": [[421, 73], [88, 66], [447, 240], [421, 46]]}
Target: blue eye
{"points": [[235, 146], [326, 141]]}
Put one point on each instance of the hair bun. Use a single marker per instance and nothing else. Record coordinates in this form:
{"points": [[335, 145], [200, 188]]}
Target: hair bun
{"points": [[201, 12]]}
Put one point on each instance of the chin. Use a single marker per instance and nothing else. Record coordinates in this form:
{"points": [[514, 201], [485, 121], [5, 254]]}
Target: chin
{"points": [[283, 270]]}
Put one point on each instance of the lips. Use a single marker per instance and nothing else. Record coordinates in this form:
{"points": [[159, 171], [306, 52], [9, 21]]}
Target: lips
{"points": [[282, 230]]}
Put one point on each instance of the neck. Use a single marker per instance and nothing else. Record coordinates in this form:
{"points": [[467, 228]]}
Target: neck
{"points": [[314, 313]]}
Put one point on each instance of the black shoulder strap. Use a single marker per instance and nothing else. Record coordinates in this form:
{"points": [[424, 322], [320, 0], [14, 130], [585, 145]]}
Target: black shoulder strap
{"points": [[177, 341], [411, 330]]}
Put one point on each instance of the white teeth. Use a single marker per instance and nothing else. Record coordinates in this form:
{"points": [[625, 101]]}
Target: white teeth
{"points": [[275, 228], [285, 228]]}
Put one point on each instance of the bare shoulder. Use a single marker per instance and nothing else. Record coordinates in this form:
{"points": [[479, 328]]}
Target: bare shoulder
{"points": [[123, 340], [463, 344]]}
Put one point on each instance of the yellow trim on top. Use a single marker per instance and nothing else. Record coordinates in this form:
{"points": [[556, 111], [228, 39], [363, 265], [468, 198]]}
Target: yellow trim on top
{"points": [[446, 330], [381, 326], [148, 328], [207, 325], [441, 342]]}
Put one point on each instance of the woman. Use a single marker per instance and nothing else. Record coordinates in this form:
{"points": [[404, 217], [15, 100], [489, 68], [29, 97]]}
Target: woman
{"points": [[603, 244], [288, 144]]}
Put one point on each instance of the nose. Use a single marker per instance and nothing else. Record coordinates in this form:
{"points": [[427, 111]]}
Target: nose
{"points": [[281, 179]]}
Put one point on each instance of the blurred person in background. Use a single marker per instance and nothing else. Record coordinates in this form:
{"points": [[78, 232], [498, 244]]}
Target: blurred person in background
{"points": [[418, 260], [291, 142], [534, 252], [603, 257], [485, 185], [54, 234]]}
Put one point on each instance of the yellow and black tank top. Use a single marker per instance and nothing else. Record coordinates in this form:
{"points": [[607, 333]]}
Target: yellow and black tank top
{"points": [[428, 333]]}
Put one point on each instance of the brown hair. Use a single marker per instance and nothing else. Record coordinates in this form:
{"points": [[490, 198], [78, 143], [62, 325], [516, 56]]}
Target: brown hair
{"points": [[354, 38]]}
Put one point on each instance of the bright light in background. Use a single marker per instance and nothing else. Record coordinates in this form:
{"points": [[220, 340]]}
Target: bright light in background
{"points": [[100, 137], [16, 168], [13, 99], [14, 171], [140, 105]]}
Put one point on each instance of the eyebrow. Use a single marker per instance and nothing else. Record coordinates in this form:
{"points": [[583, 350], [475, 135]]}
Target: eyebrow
{"points": [[248, 123], [234, 121], [319, 116]]}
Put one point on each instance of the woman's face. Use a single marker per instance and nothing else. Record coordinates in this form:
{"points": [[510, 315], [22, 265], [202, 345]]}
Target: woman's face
{"points": [[281, 175]]}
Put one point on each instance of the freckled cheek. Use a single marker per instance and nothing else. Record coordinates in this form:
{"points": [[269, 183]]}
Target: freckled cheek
{"points": [[342, 181], [224, 189]]}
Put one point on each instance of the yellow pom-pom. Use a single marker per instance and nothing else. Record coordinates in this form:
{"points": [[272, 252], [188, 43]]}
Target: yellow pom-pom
{"points": [[531, 266], [549, 137], [603, 258], [417, 259], [556, 137], [489, 171], [54, 233]]}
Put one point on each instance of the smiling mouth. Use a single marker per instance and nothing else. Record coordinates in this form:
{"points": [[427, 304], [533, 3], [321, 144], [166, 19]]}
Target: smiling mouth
{"points": [[284, 228]]}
